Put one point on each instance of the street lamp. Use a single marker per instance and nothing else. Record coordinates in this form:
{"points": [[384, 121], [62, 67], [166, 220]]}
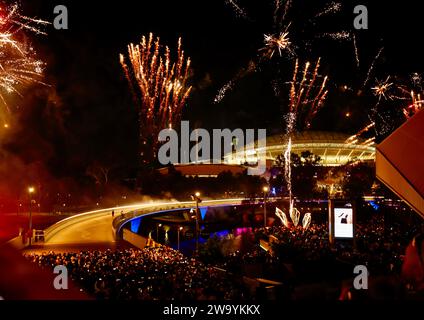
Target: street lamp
{"points": [[178, 242], [31, 190], [157, 231], [196, 198], [265, 190]]}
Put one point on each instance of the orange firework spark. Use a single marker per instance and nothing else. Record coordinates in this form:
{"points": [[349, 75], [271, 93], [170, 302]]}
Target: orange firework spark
{"points": [[18, 65], [159, 84]]}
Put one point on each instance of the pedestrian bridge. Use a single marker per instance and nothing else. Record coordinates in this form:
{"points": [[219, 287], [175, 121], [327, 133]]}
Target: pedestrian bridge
{"points": [[99, 227]]}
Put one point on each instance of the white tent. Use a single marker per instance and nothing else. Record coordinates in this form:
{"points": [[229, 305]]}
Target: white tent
{"points": [[400, 162]]}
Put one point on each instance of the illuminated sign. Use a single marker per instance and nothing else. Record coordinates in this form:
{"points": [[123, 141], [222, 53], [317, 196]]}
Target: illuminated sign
{"points": [[343, 222]]}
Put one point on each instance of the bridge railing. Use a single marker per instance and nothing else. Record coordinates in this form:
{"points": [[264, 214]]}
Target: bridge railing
{"points": [[124, 218]]}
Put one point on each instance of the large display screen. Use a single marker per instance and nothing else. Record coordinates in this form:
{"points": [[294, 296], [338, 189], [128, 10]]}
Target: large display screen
{"points": [[343, 222]]}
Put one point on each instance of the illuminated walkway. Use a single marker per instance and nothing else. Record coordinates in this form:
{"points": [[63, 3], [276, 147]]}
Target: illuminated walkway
{"points": [[94, 228]]}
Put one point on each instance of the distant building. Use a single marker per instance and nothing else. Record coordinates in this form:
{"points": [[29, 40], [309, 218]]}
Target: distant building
{"points": [[331, 147], [205, 170]]}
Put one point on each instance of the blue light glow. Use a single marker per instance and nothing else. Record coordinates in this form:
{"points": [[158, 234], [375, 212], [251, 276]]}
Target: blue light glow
{"points": [[135, 225]]}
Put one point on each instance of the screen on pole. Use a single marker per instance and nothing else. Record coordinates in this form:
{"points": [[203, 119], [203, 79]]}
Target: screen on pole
{"points": [[343, 222]]}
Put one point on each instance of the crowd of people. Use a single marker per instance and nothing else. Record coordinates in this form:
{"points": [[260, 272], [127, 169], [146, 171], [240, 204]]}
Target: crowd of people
{"points": [[300, 257], [148, 274], [297, 257], [377, 246]]}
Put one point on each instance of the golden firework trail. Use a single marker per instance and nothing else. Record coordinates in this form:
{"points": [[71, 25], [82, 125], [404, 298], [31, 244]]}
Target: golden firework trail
{"points": [[251, 67], [308, 92], [331, 8], [281, 11], [369, 142], [19, 66], [288, 169], [240, 12], [14, 21], [341, 35], [307, 95], [158, 84], [221, 93], [371, 68], [293, 104], [355, 138], [356, 50]]}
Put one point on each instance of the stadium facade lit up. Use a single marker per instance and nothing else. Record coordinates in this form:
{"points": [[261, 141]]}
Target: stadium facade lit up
{"points": [[333, 148]]}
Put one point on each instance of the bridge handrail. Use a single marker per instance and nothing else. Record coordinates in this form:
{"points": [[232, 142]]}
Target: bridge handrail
{"points": [[120, 221]]}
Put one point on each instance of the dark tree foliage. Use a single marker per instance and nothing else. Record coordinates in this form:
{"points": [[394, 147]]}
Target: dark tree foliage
{"points": [[305, 168]]}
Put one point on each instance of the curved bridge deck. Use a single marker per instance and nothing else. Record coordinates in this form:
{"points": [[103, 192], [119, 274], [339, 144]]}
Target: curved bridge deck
{"points": [[99, 229]]}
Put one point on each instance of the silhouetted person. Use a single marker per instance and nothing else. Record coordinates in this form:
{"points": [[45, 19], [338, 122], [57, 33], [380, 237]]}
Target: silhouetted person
{"points": [[413, 266]]}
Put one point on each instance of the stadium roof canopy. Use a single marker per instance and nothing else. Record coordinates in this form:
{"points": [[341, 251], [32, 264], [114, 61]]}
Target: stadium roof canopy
{"points": [[332, 147], [400, 162]]}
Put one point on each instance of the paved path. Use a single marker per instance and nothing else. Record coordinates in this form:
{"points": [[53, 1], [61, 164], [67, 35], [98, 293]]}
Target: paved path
{"points": [[94, 229]]}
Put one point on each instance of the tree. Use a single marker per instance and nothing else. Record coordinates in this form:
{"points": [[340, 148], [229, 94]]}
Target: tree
{"points": [[358, 181], [99, 173], [304, 169], [211, 251]]}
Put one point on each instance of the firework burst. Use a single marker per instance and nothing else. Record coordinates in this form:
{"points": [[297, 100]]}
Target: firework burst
{"points": [[416, 105], [159, 86], [274, 43], [19, 66], [404, 94], [395, 95], [413, 93], [381, 90], [278, 40]]}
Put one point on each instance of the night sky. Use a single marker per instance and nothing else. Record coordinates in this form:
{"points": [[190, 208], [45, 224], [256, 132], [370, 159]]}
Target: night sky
{"points": [[87, 113]]}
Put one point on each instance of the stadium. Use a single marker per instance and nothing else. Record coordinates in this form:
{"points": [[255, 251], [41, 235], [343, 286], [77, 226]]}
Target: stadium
{"points": [[333, 148]]}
